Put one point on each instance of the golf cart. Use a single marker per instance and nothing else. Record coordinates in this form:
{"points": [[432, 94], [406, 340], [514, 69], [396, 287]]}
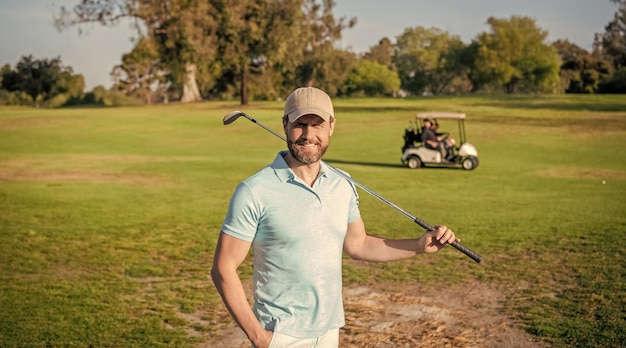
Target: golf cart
{"points": [[415, 154]]}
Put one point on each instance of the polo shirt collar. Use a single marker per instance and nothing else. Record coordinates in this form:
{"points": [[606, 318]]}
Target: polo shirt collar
{"points": [[283, 171]]}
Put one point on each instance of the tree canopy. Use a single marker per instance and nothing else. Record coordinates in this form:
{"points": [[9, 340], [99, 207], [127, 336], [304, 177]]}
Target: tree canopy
{"points": [[41, 80], [382, 53], [611, 45], [184, 32], [581, 72], [429, 60], [189, 50], [514, 57], [206, 41], [370, 78], [139, 71]]}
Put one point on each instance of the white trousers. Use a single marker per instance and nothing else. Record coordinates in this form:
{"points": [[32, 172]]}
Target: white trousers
{"points": [[328, 340]]}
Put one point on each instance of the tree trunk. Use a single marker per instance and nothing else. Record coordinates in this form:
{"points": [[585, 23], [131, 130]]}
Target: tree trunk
{"points": [[190, 88], [244, 84]]}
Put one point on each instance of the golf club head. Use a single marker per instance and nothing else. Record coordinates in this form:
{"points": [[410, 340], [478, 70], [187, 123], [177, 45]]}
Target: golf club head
{"points": [[232, 116]]}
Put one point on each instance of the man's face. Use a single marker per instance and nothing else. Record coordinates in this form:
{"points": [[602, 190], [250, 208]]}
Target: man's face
{"points": [[427, 124], [308, 137]]}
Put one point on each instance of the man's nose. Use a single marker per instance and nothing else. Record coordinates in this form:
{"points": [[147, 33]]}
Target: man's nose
{"points": [[305, 130]]}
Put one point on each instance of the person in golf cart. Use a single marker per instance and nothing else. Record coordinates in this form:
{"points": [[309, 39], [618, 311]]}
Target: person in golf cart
{"points": [[433, 141], [435, 127]]}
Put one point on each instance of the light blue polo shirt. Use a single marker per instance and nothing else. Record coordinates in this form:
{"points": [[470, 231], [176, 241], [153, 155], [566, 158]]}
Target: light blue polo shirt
{"points": [[297, 235]]}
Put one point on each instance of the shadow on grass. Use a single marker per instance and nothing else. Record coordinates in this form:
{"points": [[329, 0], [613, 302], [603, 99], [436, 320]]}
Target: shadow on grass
{"points": [[553, 105], [370, 164], [386, 165], [606, 123], [373, 109]]}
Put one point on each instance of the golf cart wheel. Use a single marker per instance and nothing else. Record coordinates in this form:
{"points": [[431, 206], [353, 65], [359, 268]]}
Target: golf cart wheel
{"points": [[414, 162], [469, 163], [475, 159]]}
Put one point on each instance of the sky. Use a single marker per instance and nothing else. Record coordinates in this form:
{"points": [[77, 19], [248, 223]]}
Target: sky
{"points": [[26, 27]]}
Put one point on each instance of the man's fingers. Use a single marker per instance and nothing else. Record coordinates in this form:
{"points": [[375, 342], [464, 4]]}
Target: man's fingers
{"points": [[444, 235]]}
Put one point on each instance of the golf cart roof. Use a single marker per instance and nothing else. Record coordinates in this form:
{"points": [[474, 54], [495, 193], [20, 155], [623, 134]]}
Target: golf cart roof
{"points": [[452, 115]]}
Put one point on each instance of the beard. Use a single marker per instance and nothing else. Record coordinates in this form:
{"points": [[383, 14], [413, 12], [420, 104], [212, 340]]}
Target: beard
{"points": [[304, 154]]}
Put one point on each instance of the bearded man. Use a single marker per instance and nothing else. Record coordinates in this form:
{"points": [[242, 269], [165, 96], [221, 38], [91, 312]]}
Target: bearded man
{"points": [[299, 216]]}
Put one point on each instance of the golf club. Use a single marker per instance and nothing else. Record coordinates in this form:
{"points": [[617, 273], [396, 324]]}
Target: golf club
{"points": [[234, 115]]}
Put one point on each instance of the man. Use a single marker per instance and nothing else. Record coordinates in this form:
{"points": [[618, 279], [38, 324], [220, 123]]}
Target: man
{"points": [[299, 216], [435, 127], [436, 142]]}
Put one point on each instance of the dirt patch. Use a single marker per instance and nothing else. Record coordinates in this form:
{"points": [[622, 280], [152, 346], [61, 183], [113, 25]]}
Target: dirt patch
{"points": [[11, 124], [84, 176], [582, 173], [410, 315], [396, 315], [77, 168]]}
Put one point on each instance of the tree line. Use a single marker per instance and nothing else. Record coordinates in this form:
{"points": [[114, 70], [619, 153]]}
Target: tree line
{"points": [[191, 50]]}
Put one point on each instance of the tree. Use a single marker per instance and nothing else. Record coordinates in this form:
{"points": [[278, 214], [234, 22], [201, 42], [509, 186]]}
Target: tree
{"points": [[611, 44], [381, 53], [140, 71], [567, 50], [257, 36], [428, 60], [514, 57], [581, 72], [322, 64], [372, 79], [42, 79], [183, 30], [615, 84]]}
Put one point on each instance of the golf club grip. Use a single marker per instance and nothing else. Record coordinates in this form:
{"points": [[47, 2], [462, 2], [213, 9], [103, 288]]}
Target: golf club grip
{"points": [[474, 256]]}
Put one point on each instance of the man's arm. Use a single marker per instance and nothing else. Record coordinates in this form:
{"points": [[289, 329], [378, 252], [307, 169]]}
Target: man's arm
{"points": [[432, 143], [229, 254], [429, 137], [362, 246]]}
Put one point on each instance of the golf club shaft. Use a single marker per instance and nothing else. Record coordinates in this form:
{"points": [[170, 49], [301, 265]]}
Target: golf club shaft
{"points": [[474, 256]]}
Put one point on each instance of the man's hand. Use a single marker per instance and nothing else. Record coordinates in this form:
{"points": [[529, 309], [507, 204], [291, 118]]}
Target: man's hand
{"points": [[433, 241], [263, 341]]}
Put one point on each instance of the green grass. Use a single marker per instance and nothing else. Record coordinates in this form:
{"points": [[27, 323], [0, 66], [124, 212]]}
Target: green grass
{"points": [[110, 217]]}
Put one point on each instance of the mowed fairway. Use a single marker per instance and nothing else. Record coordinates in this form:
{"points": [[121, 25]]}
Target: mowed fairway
{"points": [[109, 217]]}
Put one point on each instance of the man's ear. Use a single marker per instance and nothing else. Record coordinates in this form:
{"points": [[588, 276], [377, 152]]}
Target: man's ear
{"points": [[332, 126]]}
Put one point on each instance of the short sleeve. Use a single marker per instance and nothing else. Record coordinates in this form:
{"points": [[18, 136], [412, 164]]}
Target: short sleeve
{"points": [[243, 214], [354, 213]]}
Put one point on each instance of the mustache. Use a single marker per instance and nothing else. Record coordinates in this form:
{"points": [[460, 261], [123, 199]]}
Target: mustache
{"points": [[306, 142]]}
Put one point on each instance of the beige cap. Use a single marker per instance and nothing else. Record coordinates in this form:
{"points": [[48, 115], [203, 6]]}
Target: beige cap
{"points": [[306, 101]]}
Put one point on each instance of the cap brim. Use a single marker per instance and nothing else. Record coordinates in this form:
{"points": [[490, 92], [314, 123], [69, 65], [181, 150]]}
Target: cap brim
{"points": [[309, 110]]}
